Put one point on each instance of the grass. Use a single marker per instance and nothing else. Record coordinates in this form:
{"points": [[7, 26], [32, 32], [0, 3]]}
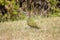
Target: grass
{"points": [[19, 30]]}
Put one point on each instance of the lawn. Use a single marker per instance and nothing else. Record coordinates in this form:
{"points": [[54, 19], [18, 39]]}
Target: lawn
{"points": [[49, 29]]}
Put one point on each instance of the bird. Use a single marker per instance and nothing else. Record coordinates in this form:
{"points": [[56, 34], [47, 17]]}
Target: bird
{"points": [[32, 23]]}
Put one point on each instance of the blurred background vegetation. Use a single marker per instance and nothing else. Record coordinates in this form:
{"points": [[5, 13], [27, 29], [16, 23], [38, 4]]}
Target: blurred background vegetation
{"points": [[11, 10]]}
